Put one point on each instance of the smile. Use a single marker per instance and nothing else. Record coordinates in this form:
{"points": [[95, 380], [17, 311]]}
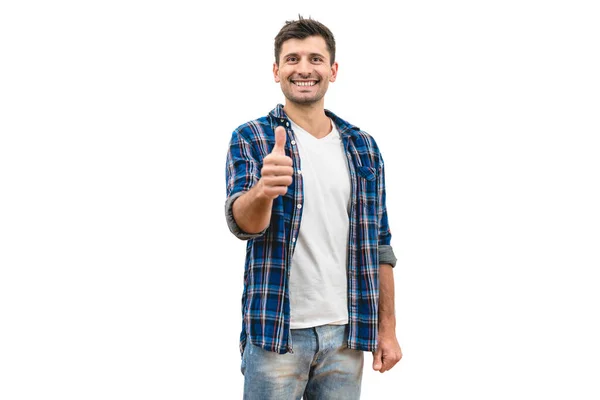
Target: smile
{"points": [[304, 83]]}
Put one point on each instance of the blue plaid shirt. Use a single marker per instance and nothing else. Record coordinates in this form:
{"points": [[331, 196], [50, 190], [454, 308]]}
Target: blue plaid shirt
{"points": [[265, 298]]}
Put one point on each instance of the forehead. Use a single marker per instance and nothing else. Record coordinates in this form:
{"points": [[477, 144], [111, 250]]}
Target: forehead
{"points": [[309, 45]]}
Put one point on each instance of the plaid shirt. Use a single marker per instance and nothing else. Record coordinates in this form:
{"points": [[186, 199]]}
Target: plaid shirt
{"points": [[265, 298]]}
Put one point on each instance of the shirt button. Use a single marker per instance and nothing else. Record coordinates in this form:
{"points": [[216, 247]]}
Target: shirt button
{"points": [[299, 172], [293, 142], [299, 206], [287, 124], [293, 239]]}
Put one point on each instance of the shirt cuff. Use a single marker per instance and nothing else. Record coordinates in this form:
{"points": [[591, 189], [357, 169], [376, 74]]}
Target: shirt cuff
{"points": [[386, 255], [233, 226]]}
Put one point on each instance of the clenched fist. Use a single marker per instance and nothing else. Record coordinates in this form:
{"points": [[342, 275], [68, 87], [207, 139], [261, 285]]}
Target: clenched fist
{"points": [[277, 170]]}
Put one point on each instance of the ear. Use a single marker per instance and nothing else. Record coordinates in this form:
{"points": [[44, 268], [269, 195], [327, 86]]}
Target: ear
{"points": [[334, 71], [276, 72]]}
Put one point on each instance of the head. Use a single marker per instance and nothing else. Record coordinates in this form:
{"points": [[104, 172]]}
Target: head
{"points": [[301, 29], [304, 60]]}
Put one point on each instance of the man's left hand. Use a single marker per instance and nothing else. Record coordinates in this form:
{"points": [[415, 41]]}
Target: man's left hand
{"points": [[388, 352]]}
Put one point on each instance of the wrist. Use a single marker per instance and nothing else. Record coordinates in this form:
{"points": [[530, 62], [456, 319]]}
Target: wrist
{"points": [[387, 323]]}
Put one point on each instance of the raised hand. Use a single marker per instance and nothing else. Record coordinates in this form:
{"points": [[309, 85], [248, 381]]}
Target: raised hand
{"points": [[277, 171]]}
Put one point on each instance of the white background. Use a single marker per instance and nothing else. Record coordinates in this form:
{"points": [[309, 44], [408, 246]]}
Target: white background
{"points": [[120, 280]]}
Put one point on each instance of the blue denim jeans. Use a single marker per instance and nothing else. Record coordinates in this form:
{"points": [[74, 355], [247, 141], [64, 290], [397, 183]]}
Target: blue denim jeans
{"points": [[321, 367]]}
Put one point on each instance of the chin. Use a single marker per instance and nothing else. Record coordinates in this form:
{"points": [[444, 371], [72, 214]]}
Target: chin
{"points": [[303, 100]]}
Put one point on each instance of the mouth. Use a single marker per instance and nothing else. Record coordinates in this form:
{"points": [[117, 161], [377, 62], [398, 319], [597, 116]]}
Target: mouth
{"points": [[305, 83]]}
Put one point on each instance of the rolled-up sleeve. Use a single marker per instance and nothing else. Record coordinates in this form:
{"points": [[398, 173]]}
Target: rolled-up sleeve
{"points": [[233, 226], [242, 172]]}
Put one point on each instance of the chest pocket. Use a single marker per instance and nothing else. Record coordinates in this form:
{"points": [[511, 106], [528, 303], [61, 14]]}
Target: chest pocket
{"points": [[367, 189], [367, 173]]}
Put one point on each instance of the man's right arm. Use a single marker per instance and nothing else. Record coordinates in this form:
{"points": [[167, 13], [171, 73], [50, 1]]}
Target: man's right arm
{"points": [[252, 210]]}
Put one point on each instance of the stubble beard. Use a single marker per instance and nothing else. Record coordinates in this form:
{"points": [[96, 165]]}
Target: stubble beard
{"points": [[302, 100]]}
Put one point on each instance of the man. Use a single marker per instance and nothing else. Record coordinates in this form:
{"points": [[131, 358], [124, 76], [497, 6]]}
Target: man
{"points": [[307, 190]]}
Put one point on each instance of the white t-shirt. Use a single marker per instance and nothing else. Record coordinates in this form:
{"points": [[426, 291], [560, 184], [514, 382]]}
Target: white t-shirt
{"points": [[318, 277]]}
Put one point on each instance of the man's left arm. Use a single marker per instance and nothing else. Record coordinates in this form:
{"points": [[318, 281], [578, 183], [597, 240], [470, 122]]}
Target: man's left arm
{"points": [[388, 351]]}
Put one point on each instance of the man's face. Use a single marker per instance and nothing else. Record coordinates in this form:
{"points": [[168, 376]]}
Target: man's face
{"points": [[304, 70]]}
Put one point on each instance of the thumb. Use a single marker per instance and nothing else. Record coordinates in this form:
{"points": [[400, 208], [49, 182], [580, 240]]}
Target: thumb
{"points": [[279, 140], [377, 362]]}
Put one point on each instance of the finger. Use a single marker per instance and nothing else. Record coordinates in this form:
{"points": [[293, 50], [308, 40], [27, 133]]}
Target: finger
{"points": [[279, 141], [271, 181], [377, 363], [387, 364], [274, 191], [278, 159], [390, 361], [276, 170]]}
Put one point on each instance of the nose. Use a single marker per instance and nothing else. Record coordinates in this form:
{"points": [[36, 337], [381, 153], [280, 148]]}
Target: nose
{"points": [[304, 68]]}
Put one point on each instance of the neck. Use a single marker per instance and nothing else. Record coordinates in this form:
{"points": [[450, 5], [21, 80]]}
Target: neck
{"points": [[310, 117]]}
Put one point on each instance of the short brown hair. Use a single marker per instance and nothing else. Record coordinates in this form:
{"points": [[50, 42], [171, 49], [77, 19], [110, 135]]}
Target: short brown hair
{"points": [[301, 29]]}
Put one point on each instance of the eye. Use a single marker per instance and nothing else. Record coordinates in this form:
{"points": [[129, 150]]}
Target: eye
{"points": [[291, 59], [317, 59]]}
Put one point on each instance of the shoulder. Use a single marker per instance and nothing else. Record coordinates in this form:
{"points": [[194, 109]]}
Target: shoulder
{"points": [[254, 138], [362, 141], [368, 141], [256, 130]]}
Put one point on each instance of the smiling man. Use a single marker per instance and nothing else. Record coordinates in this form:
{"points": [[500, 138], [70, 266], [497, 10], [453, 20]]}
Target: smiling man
{"points": [[306, 189]]}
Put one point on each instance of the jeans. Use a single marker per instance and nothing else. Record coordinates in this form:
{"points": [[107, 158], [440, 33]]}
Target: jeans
{"points": [[321, 367]]}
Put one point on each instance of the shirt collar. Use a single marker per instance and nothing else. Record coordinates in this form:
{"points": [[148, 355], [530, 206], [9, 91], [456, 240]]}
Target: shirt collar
{"points": [[344, 127]]}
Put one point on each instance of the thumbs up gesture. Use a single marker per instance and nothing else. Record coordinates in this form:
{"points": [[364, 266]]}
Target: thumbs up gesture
{"points": [[277, 171]]}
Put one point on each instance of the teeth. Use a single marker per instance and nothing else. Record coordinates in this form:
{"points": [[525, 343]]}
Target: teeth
{"points": [[311, 83]]}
